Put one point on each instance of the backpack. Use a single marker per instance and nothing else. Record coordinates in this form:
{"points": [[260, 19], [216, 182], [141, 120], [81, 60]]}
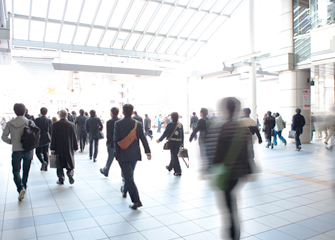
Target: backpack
{"points": [[30, 138]]}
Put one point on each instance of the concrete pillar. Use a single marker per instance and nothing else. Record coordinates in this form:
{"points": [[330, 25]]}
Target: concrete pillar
{"points": [[285, 25], [252, 71], [292, 84]]}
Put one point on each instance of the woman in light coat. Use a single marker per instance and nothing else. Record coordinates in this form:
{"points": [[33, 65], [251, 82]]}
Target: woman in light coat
{"points": [[280, 125]]}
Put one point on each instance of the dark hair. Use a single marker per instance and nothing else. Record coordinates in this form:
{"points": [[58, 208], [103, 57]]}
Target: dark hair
{"points": [[146, 115], [298, 110], [115, 111], [135, 112], [268, 113], [44, 111], [174, 116], [73, 113], [194, 113], [247, 111], [232, 105], [19, 109], [92, 113], [86, 113], [128, 110], [81, 111], [67, 109], [278, 114], [204, 111]]}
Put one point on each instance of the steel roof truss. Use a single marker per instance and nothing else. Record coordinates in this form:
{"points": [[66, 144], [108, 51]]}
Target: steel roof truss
{"points": [[29, 25], [93, 20], [62, 22], [79, 16], [107, 23], [46, 21]]}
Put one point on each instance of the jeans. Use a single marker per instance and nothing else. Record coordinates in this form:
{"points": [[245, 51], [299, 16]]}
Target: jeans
{"points": [[159, 127], [280, 137], [297, 139], [128, 168], [16, 163], [110, 150], [96, 147]]}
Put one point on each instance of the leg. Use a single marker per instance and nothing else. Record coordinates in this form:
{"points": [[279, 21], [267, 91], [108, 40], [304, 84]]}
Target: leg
{"points": [[275, 138], [91, 148], [16, 164], [297, 139], [96, 148], [175, 159], [70, 174], [60, 175], [129, 185], [110, 150], [27, 157], [38, 152], [46, 155], [281, 137], [329, 136]]}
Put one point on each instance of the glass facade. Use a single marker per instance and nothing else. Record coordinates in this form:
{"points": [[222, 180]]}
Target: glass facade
{"points": [[322, 13]]}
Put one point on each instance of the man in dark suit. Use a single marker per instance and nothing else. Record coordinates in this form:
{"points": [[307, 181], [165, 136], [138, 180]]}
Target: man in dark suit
{"points": [[110, 143], [269, 123], [64, 143], [137, 117], [128, 158], [42, 151], [147, 126], [194, 122], [81, 129], [298, 122], [69, 116]]}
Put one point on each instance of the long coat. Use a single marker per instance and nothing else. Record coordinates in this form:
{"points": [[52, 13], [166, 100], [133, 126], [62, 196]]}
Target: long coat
{"points": [[121, 129], [93, 126], [80, 122], [64, 142], [44, 125]]}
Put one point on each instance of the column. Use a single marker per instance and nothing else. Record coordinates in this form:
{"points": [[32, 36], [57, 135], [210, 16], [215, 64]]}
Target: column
{"points": [[252, 71]]}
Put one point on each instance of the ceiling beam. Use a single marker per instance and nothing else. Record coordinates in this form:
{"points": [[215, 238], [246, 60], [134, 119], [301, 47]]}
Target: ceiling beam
{"points": [[62, 22], [78, 21], [29, 25], [93, 21], [107, 22], [46, 21]]}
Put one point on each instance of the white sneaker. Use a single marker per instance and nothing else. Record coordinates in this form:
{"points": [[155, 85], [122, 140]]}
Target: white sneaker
{"points": [[22, 193]]}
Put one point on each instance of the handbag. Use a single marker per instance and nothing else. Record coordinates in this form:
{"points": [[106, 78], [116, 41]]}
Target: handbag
{"points": [[101, 135], [129, 139], [291, 134], [54, 161], [166, 144], [183, 153]]}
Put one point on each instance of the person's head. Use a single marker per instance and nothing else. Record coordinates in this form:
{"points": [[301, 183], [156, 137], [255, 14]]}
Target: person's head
{"points": [[135, 113], [277, 114], [246, 112], [73, 113], [146, 115], [127, 110], [174, 117], [54, 119], [203, 112], [298, 110], [81, 111], [19, 109], [62, 114], [67, 110], [114, 111], [268, 113], [44, 111], [92, 113], [86, 114], [230, 107], [193, 113]]}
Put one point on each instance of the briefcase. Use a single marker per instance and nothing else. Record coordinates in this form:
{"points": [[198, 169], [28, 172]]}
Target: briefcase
{"points": [[54, 161]]}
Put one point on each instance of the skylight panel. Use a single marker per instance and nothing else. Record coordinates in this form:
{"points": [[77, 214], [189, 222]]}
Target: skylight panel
{"points": [[107, 39], [163, 11], [171, 20], [203, 25], [104, 11], [21, 29], [119, 12], [52, 32], [120, 40], [89, 11], [94, 37], [196, 3], [81, 35], [67, 34], [56, 9], [133, 14], [37, 31], [144, 43], [132, 41], [21, 7], [149, 11], [193, 24], [209, 4], [73, 10], [40, 8], [182, 22], [212, 28], [155, 44]]}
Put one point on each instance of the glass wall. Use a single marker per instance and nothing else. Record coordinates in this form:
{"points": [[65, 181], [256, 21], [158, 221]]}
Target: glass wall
{"points": [[322, 13]]}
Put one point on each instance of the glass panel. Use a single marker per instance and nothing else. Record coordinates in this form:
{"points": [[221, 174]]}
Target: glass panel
{"points": [[132, 41], [230, 7], [104, 11], [184, 2], [89, 11], [171, 20], [209, 4], [81, 36], [212, 28], [37, 31], [185, 47], [119, 12], [149, 11], [94, 38], [72, 10], [166, 43], [67, 34], [322, 12], [193, 24], [107, 39], [39, 8], [170, 1], [193, 50], [220, 6], [203, 26], [133, 14], [196, 3], [20, 28], [182, 22], [163, 11], [52, 32], [302, 49], [56, 9], [175, 46], [144, 43], [120, 40], [22, 7], [155, 44]]}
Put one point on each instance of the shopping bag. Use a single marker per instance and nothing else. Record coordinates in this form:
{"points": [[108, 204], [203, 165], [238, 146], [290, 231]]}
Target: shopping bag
{"points": [[54, 161]]}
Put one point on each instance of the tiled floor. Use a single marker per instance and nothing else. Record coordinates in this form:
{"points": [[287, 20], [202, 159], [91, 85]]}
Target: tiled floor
{"points": [[293, 197]]}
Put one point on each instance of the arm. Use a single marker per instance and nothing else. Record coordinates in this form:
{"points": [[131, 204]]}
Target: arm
{"points": [[303, 121], [293, 123], [182, 135], [87, 126], [116, 138], [200, 126], [53, 138], [143, 139], [254, 130], [165, 134], [100, 125], [5, 135], [75, 142]]}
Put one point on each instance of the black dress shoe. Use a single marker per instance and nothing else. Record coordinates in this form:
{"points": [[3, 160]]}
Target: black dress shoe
{"points": [[94, 160], [59, 182], [71, 180], [124, 194], [177, 174], [167, 167], [135, 205], [44, 165], [103, 173]]}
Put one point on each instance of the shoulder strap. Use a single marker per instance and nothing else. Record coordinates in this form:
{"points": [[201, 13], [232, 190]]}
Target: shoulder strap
{"points": [[135, 125], [173, 131]]}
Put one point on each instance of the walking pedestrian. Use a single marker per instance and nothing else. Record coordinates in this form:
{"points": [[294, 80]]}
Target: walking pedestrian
{"points": [[298, 122], [93, 126]]}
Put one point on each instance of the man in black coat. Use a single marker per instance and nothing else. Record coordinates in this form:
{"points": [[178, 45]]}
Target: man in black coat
{"points": [[202, 127], [42, 151], [298, 122], [137, 117], [64, 144], [194, 122], [81, 129], [69, 116], [128, 158], [147, 126], [110, 144], [269, 123], [93, 126]]}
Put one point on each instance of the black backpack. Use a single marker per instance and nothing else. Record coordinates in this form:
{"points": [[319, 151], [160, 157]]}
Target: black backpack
{"points": [[30, 138]]}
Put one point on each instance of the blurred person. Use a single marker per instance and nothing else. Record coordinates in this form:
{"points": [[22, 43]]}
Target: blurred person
{"points": [[234, 151], [74, 115], [330, 126], [168, 119], [193, 124], [313, 121], [147, 126], [69, 116], [251, 124], [128, 157], [64, 144], [81, 129], [30, 117], [213, 117], [298, 122], [269, 123], [14, 128], [175, 132], [110, 144], [93, 126], [86, 114], [159, 122], [3, 123], [54, 119], [42, 151], [137, 117], [280, 125]]}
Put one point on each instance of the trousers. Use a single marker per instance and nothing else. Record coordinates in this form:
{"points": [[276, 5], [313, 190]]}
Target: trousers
{"points": [[128, 168], [17, 157]]}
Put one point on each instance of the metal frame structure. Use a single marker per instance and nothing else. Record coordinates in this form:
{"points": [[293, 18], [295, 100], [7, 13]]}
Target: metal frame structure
{"points": [[220, 16]]}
